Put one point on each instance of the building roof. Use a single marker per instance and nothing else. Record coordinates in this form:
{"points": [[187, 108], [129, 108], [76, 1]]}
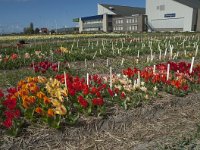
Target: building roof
{"points": [[124, 10], [190, 3]]}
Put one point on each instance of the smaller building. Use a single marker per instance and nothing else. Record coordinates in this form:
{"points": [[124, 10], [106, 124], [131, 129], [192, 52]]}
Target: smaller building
{"points": [[114, 18], [44, 30]]}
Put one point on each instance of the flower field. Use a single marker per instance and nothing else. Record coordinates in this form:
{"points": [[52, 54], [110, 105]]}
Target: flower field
{"points": [[62, 81]]}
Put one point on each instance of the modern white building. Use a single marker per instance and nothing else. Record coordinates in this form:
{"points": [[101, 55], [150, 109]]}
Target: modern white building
{"points": [[173, 15], [114, 18]]}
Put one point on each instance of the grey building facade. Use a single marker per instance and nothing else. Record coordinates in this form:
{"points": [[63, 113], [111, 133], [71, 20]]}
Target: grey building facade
{"points": [[114, 18]]}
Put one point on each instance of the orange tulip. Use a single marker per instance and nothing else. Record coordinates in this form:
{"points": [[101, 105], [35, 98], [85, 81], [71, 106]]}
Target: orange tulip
{"points": [[40, 95], [50, 112], [39, 110], [46, 100]]}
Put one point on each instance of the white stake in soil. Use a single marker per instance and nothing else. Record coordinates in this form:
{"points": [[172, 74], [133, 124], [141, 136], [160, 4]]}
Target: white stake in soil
{"points": [[192, 64]]}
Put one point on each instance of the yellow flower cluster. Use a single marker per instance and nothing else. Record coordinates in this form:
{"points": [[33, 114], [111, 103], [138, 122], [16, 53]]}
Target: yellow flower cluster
{"points": [[64, 50], [32, 95], [53, 87]]}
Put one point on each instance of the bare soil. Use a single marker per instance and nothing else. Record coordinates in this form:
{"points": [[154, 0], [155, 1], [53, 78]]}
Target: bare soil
{"points": [[165, 123]]}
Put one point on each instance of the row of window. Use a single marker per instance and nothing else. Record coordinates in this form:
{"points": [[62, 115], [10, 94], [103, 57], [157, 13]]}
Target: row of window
{"points": [[132, 20], [128, 20], [92, 29], [129, 28], [92, 21], [132, 28]]}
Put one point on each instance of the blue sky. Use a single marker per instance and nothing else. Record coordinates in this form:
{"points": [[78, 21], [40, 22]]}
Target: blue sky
{"points": [[16, 14]]}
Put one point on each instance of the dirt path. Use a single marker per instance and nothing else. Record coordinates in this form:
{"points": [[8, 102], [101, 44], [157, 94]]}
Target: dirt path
{"points": [[157, 125]]}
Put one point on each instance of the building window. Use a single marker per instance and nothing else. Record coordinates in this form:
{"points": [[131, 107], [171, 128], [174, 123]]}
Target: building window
{"points": [[136, 20], [92, 21], [129, 20], [129, 28], [162, 7], [92, 29], [134, 28], [119, 21], [118, 28]]}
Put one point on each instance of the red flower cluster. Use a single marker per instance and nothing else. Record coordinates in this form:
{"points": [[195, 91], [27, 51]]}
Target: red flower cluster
{"points": [[97, 101], [179, 74], [96, 89], [10, 105], [82, 102], [129, 72], [1, 94], [44, 66]]}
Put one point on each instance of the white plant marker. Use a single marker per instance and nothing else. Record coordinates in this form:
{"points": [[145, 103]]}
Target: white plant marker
{"points": [[122, 61], [160, 55], [165, 54], [110, 77], [196, 52], [94, 55], [65, 78], [58, 65], [185, 52], [118, 50], [192, 64], [151, 53], [93, 65], [168, 69], [138, 80], [85, 63], [87, 79], [100, 52], [154, 69], [138, 55], [171, 51], [107, 63], [92, 46], [68, 65], [147, 59]]}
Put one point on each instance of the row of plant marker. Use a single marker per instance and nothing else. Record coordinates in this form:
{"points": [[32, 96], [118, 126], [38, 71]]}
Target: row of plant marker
{"points": [[117, 47], [65, 98]]}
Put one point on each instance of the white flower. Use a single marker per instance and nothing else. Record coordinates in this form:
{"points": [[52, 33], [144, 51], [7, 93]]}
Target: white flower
{"points": [[118, 75], [144, 89], [142, 83], [146, 96], [125, 76], [129, 81], [155, 89], [118, 86]]}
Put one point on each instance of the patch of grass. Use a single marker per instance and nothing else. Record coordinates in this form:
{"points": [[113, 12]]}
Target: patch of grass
{"points": [[10, 78]]}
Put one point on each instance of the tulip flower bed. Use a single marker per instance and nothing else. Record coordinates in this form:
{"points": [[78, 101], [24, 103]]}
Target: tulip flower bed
{"points": [[122, 90], [64, 98], [88, 48]]}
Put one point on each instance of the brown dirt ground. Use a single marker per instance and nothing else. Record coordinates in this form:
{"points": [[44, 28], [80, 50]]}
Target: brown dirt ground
{"points": [[157, 125]]}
